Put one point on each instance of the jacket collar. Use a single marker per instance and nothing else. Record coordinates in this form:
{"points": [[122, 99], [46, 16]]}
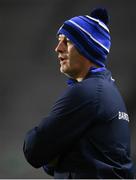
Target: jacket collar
{"points": [[92, 70]]}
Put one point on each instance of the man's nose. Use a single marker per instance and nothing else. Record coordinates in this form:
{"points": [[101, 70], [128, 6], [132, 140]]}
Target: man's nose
{"points": [[60, 47]]}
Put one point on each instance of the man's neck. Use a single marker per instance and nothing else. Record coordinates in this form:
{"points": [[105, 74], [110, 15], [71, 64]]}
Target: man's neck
{"points": [[83, 74]]}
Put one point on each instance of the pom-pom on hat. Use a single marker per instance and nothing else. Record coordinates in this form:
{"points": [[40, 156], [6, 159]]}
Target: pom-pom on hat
{"points": [[90, 35]]}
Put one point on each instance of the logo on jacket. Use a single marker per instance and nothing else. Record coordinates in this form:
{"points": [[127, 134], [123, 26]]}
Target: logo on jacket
{"points": [[124, 116]]}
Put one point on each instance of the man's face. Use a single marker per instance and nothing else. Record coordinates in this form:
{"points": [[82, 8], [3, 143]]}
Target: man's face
{"points": [[71, 62]]}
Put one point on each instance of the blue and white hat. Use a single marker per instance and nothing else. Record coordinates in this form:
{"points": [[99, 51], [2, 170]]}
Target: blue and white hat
{"points": [[90, 35]]}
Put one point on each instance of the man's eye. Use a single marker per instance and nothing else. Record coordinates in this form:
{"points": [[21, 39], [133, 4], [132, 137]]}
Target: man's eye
{"points": [[68, 41], [65, 42]]}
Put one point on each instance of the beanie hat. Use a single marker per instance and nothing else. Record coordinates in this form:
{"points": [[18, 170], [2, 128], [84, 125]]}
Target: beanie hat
{"points": [[90, 35]]}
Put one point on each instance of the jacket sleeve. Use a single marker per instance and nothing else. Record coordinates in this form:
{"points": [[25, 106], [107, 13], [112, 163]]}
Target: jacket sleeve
{"points": [[69, 118]]}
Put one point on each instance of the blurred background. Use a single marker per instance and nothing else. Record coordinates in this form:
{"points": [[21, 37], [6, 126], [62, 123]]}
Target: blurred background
{"points": [[30, 80]]}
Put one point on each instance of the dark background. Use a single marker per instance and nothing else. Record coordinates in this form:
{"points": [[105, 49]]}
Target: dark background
{"points": [[30, 80]]}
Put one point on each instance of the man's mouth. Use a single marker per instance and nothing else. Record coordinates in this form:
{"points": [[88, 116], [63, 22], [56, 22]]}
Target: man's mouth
{"points": [[63, 62], [62, 59]]}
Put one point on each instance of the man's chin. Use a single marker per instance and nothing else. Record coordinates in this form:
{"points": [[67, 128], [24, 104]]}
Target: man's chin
{"points": [[66, 72], [63, 70]]}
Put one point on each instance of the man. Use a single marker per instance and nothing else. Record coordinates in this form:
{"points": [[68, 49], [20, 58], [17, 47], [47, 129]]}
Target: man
{"points": [[86, 134]]}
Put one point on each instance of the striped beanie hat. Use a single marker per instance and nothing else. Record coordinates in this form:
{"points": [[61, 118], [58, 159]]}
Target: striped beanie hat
{"points": [[90, 35]]}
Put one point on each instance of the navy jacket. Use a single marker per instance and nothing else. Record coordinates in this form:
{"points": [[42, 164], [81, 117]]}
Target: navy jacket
{"points": [[86, 134]]}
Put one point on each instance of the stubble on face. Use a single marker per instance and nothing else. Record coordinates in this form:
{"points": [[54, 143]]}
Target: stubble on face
{"points": [[73, 64], [71, 68]]}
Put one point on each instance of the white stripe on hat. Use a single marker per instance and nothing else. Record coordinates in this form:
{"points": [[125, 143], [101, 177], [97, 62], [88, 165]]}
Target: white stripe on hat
{"points": [[89, 35], [99, 22]]}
